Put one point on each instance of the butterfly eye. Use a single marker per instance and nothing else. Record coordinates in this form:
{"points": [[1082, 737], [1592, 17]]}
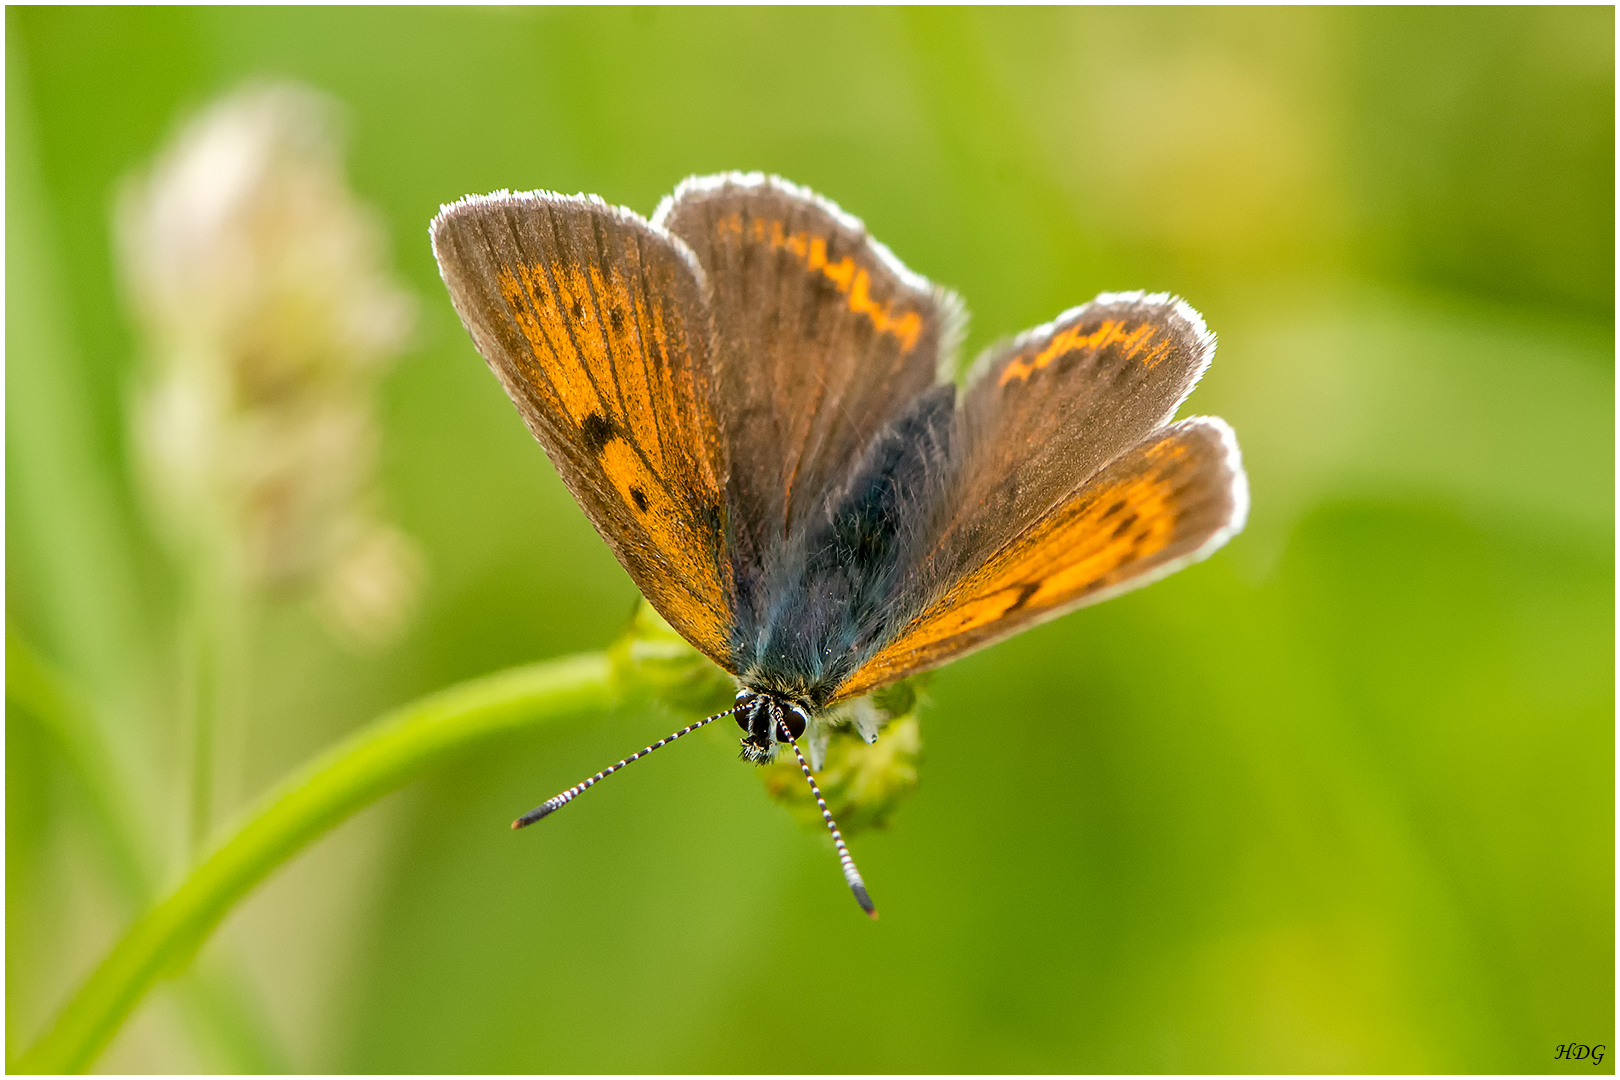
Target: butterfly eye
{"points": [[743, 711], [793, 720]]}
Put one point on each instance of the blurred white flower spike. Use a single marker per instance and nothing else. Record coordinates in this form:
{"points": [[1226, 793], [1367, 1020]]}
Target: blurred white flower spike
{"points": [[268, 312]]}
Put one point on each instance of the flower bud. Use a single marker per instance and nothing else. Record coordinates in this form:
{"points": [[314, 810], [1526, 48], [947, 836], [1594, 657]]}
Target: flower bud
{"points": [[863, 780], [650, 657]]}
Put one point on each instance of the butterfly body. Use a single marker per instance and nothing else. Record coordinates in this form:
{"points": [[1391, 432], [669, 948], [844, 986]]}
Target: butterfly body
{"points": [[754, 403], [838, 585]]}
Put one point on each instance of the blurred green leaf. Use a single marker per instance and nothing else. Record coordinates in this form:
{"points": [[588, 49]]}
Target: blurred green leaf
{"points": [[863, 784], [72, 539], [36, 694]]}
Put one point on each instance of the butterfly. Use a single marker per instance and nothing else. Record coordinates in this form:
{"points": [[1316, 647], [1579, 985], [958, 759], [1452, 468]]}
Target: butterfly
{"points": [[753, 401]]}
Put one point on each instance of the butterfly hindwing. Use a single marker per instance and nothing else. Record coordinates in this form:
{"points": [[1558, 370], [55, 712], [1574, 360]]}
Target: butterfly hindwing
{"points": [[822, 339], [1173, 498], [596, 324], [1045, 412]]}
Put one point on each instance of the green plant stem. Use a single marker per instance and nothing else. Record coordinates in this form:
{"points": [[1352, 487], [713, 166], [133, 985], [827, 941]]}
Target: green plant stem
{"points": [[37, 694], [219, 1003], [380, 759]]}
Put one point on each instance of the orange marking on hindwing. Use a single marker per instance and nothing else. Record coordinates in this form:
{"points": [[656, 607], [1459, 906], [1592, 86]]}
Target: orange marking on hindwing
{"points": [[1094, 541], [1157, 354], [850, 279], [1070, 339]]}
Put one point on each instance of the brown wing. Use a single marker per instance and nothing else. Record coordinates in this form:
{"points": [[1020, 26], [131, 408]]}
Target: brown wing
{"points": [[1172, 499], [821, 335], [1044, 413], [595, 323]]}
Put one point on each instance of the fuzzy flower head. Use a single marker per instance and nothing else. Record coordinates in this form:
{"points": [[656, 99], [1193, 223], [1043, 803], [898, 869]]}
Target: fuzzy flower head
{"points": [[267, 313]]}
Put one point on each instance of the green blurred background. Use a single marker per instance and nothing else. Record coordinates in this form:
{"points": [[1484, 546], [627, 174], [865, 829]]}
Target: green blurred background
{"points": [[1339, 799]]}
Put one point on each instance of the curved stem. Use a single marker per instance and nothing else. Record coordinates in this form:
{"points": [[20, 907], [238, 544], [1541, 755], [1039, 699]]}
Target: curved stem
{"points": [[377, 760], [218, 1003], [36, 693]]}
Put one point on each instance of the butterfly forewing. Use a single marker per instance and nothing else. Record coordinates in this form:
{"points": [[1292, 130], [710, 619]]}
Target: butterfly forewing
{"points": [[822, 338], [597, 327], [1175, 497]]}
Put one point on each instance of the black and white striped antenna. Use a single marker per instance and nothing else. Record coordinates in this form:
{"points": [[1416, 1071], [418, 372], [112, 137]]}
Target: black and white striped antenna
{"points": [[851, 875], [557, 802]]}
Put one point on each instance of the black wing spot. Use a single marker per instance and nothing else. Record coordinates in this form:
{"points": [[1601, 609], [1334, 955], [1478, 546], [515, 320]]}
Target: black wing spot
{"points": [[1112, 510], [1025, 591], [1122, 527], [597, 431], [638, 497], [1139, 542], [616, 320], [578, 310]]}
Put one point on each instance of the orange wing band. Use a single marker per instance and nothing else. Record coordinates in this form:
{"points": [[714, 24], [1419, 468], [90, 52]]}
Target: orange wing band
{"points": [[1159, 501]]}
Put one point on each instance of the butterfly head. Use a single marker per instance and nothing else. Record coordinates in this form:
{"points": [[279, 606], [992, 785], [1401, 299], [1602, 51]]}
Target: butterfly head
{"points": [[762, 714]]}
